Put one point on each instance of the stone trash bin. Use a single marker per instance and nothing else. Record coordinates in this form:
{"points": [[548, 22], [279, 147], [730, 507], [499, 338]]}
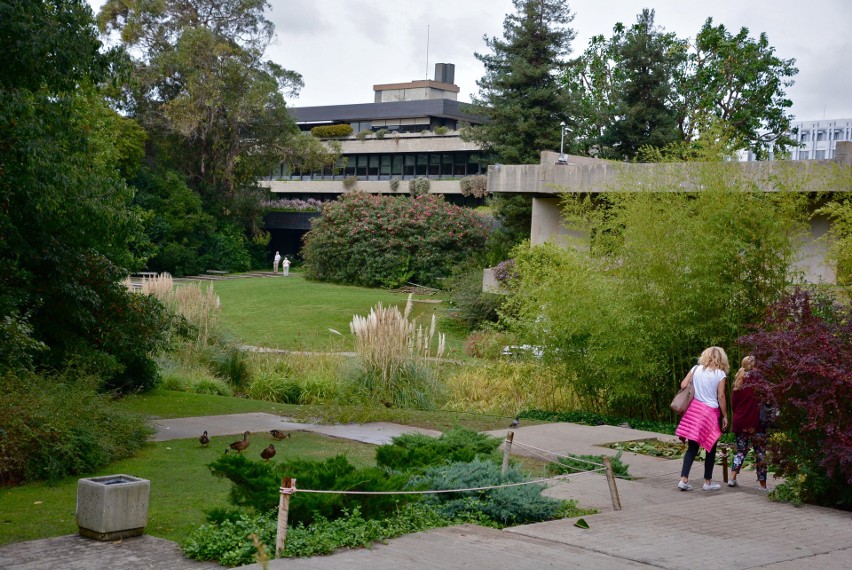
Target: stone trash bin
{"points": [[112, 506]]}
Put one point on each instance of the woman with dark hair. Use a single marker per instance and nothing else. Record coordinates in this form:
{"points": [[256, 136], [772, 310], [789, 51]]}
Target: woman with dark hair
{"points": [[699, 425]]}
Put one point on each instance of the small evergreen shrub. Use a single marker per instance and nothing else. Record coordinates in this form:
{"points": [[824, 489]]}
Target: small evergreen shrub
{"points": [[414, 451], [256, 483], [580, 463], [331, 131], [372, 240], [380, 134], [441, 130], [393, 183], [418, 186], [505, 506], [363, 135]]}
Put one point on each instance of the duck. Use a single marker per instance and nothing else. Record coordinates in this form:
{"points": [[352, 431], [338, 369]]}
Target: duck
{"points": [[278, 434], [204, 439], [239, 446], [515, 422], [268, 453]]}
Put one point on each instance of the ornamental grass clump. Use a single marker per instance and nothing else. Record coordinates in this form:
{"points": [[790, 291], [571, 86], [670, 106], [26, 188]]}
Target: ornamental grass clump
{"points": [[199, 307], [392, 349]]}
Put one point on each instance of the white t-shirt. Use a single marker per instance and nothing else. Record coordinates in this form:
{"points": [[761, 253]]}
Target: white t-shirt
{"points": [[706, 383], [277, 257]]}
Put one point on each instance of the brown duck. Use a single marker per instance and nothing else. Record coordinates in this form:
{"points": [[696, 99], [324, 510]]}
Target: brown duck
{"points": [[268, 453], [239, 446], [204, 439], [278, 434]]}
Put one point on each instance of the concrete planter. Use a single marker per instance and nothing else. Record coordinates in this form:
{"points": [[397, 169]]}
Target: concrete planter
{"points": [[112, 507]]}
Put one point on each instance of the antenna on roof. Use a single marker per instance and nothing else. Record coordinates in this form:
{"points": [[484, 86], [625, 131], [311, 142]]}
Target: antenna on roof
{"points": [[427, 52]]}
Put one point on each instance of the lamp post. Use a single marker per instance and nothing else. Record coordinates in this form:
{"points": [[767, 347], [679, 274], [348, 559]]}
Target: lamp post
{"points": [[562, 158]]}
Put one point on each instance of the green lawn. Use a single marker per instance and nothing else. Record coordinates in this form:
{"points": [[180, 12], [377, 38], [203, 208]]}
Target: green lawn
{"points": [[182, 488], [295, 314]]}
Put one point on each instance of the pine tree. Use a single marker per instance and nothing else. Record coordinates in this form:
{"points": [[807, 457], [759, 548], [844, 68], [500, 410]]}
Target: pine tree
{"points": [[520, 95]]}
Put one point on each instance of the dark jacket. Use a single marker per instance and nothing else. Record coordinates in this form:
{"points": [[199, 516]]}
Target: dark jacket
{"points": [[746, 411]]}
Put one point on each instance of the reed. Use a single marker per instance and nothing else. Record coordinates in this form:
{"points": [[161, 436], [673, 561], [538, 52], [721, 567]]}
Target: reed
{"points": [[199, 306]]}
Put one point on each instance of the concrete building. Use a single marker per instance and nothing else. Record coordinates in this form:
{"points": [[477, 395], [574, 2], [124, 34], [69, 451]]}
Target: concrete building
{"points": [[544, 182], [408, 131]]}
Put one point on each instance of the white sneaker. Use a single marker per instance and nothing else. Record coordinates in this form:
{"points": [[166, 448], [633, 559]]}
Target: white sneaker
{"points": [[684, 486], [711, 486], [732, 483]]}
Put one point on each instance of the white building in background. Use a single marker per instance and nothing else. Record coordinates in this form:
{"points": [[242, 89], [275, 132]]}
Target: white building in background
{"points": [[817, 140]]}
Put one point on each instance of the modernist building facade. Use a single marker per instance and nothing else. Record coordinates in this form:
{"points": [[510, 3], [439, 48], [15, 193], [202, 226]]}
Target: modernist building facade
{"points": [[410, 130]]}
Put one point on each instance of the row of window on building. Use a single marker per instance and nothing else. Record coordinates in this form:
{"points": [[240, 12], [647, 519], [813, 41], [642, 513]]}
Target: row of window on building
{"points": [[399, 165]]}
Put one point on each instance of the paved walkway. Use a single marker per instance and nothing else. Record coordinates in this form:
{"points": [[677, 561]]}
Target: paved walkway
{"points": [[659, 526]]}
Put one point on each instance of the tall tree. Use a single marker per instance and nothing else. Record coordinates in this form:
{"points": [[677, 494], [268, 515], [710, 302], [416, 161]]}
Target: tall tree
{"points": [[645, 114], [741, 82], [520, 95], [727, 88], [214, 107], [66, 225]]}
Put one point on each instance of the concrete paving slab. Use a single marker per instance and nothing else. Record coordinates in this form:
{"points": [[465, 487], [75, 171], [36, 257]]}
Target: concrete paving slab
{"points": [[235, 424], [724, 529], [73, 552], [464, 546]]}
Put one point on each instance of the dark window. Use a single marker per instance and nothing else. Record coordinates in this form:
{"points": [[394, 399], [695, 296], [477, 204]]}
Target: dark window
{"points": [[396, 169], [422, 164], [473, 164], [373, 169], [434, 165], [362, 165], [459, 163], [410, 162], [446, 164], [385, 169]]}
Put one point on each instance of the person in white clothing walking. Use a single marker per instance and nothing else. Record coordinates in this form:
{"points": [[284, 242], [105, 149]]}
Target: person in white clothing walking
{"points": [[276, 260], [285, 266]]}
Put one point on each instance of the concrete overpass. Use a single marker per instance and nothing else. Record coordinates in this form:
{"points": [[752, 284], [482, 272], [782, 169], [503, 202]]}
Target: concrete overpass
{"points": [[544, 182]]}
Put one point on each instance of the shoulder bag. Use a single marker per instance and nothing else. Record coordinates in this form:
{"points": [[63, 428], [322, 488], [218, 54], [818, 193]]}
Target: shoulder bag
{"points": [[683, 398]]}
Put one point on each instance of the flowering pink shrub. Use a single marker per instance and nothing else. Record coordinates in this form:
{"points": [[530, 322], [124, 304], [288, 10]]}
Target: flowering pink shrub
{"points": [[368, 240], [803, 354]]}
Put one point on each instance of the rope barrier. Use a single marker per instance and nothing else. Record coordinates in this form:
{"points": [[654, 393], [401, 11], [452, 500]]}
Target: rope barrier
{"points": [[567, 456]]}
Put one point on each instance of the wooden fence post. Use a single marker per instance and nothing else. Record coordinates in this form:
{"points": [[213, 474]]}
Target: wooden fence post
{"points": [[288, 487], [610, 479], [507, 451]]}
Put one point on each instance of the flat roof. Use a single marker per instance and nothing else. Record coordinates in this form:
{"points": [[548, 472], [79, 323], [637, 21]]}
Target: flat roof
{"points": [[445, 108]]}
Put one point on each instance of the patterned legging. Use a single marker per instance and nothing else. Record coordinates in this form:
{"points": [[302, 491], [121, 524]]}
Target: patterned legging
{"points": [[758, 441]]}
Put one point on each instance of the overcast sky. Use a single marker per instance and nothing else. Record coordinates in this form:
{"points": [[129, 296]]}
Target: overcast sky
{"points": [[344, 47]]}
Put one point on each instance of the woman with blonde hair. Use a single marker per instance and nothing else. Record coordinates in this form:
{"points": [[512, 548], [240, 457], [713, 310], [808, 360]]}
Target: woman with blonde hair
{"points": [[700, 423], [745, 409]]}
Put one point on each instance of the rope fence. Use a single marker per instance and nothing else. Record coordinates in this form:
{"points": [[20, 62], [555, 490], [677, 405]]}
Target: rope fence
{"points": [[288, 484]]}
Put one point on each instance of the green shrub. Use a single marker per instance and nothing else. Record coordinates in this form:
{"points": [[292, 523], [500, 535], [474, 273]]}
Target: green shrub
{"points": [[367, 240], [414, 451], [476, 186], [227, 250], [58, 426], [331, 131], [470, 304], [350, 183], [229, 542], [394, 184], [363, 135], [580, 463], [256, 483], [596, 419], [418, 186], [441, 130], [505, 506], [380, 134]]}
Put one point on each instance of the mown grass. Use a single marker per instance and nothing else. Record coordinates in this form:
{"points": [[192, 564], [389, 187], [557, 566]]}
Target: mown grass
{"points": [[168, 404], [182, 488], [294, 314]]}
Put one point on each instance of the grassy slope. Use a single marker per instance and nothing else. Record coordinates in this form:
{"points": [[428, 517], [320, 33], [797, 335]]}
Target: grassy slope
{"points": [[182, 488], [295, 314]]}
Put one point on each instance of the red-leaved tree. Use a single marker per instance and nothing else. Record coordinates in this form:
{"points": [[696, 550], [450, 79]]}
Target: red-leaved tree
{"points": [[803, 352]]}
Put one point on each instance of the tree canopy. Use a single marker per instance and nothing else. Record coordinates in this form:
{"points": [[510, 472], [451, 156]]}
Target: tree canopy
{"points": [[520, 96], [627, 90]]}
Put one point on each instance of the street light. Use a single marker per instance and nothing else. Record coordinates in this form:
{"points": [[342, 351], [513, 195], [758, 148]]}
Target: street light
{"points": [[563, 159]]}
